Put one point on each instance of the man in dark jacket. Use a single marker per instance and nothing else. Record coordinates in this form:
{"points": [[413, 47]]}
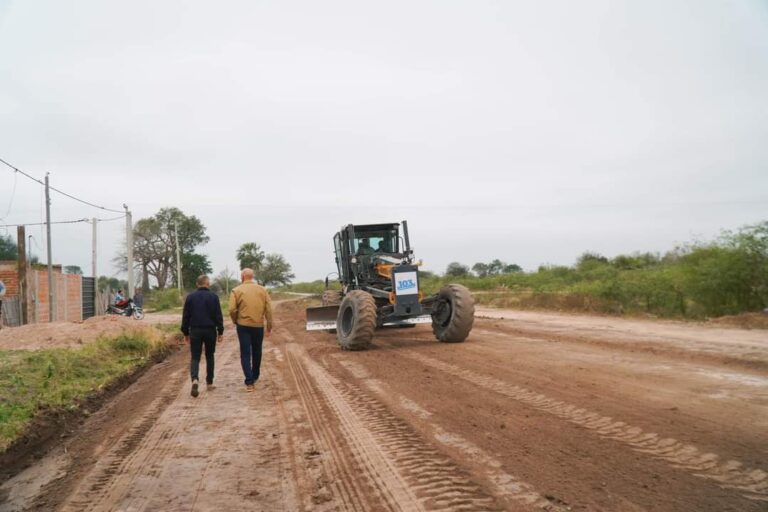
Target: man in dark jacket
{"points": [[201, 322]]}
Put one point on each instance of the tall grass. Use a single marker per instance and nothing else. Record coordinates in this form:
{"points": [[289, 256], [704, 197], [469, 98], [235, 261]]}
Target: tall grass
{"points": [[59, 378]]}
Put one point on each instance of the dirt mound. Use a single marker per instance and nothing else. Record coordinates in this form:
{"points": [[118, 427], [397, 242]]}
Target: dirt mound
{"points": [[66, 334]]}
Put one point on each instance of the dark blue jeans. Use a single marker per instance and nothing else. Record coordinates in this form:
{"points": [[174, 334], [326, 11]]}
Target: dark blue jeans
{"points": [[200, 337], [251, 339]]}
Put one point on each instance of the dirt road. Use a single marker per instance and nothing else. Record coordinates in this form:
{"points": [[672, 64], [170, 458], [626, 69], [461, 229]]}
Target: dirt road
{"points": [[536, 412]]}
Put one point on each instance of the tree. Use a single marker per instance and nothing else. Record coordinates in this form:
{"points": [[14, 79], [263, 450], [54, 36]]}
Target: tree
{"points": [[112, 282], [8, 249], [154, 244], [480, 269], [496, 267], [590, 261], [73, 269], [456, 269], [250, 256], [275, 271], [224, 282], [192, 266]]}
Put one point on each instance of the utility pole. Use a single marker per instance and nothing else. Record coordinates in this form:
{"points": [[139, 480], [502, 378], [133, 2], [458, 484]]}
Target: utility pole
{"points": [[51, 306], [94, 265], [22, 271], [178, 255], [129, 247], [94, 252]]}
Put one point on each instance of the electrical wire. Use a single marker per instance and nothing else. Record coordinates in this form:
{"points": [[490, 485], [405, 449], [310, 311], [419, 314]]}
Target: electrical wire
{"points": [[84, 201], [44, 223], [16, 169], [75, 221], [13, 194], [22, 172]]}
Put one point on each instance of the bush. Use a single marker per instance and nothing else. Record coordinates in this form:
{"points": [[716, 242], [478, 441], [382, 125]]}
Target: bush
{"points": [[161, 300]]}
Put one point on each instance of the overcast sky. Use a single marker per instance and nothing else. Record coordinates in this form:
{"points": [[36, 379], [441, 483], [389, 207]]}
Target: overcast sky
{"points": [[526, 131]]}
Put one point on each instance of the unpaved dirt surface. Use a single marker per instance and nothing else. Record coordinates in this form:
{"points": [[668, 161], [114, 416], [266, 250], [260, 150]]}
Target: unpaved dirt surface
{"points": [[67, 334], [534, 412]]}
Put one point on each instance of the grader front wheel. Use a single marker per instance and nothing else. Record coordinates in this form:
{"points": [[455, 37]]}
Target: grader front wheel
{"points": [[454, 314], [356, 321]]}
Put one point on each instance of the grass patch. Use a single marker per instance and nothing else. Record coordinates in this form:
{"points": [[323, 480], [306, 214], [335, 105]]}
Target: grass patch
{"points": [[32, 382], [316, 287], [163, 300]]}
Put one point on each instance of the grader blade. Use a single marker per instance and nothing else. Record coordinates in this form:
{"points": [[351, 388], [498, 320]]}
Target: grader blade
{"points": [[322, 318]]}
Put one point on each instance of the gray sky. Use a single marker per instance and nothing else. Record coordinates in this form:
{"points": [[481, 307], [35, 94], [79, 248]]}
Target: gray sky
{"points": [[526, 131]]}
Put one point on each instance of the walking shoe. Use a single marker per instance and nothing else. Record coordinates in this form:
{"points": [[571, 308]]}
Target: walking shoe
{"points": [[210, 387], [250, 388], [195, 392]]}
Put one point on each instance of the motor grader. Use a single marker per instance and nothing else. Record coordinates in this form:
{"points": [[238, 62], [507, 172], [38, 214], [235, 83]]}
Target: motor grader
{"points": [[380, 287]]}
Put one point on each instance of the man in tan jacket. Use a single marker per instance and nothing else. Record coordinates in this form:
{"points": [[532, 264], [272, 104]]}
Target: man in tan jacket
{"points": [[249, 307]]}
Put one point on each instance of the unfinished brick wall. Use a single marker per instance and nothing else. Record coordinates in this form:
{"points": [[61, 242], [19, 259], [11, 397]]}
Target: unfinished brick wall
{"points": [[9, 277], [68, 289]]}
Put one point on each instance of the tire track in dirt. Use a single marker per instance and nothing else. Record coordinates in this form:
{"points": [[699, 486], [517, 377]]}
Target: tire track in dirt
{"points": [[504, 485], [751, 482], [343, 475], [407, 473], [99, 484], [133, 467]]}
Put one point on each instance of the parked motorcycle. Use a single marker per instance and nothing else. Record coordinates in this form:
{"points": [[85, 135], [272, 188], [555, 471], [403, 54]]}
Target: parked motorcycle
{"points": [[129, 310]]}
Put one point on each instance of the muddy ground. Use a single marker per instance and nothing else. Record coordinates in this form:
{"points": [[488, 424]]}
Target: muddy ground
{"points": [[534, 411]]}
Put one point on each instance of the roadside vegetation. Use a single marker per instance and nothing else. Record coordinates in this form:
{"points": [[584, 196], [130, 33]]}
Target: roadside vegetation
{"points": [[725, 276], [60, 379]]}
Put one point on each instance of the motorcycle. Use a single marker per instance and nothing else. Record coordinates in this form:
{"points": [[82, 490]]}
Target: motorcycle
{"points": [[129, 310]]}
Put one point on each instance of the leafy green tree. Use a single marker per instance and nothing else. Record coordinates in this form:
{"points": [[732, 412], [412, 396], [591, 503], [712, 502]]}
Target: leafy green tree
{"points": [[636, 261], [8, 248], [275, 271], [154, 244], [495, 267], [590, 260], [250, 256], [456, 269], [192, 266], [112, 282], [73, 269], [512, 268], [480, 269]]}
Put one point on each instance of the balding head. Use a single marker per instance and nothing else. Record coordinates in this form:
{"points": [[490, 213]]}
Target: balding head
{"points": [[246, 275]]}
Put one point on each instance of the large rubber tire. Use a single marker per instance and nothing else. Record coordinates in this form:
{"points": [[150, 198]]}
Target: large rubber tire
{"points": [[454, 314], [356, 321], [331, 297]]}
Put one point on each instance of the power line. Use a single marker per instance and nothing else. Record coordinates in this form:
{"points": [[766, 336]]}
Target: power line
{"points": [[75, 221], [16, 169], [84, 201], [13, 194], [44, 223], [22, 172]]}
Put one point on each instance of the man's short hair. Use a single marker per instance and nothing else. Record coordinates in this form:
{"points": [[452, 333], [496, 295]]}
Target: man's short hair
{"points": [[202, 280]]}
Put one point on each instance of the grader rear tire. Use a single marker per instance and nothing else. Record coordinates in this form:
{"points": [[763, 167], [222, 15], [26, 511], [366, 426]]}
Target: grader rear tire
{"points": [[356, 321], [454, 314]]}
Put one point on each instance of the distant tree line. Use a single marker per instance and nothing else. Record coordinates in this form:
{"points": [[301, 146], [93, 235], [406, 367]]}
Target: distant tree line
{"points": [[727, 275], [493, 268]]}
